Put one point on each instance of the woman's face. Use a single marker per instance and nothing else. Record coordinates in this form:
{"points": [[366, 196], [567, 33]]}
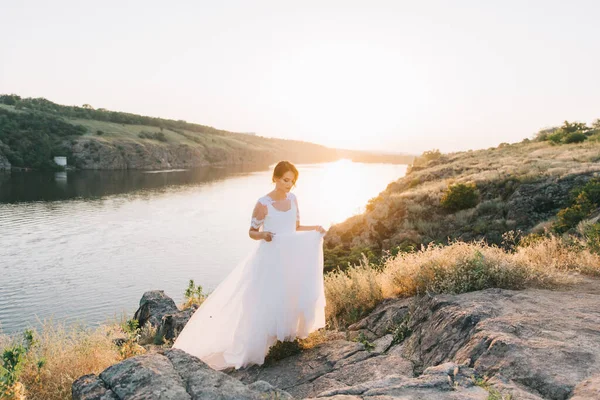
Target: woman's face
{"points": [[286, 182]]}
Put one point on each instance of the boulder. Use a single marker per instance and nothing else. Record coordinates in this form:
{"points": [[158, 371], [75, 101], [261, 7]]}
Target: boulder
{"points": [[153, 306], [170, 374], [172, 324]]}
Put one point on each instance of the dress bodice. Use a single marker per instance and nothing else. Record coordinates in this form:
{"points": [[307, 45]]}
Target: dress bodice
{"points": [[278, 219]]}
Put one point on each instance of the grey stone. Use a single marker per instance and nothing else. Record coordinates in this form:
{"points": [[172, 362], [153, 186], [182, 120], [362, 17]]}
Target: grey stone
{"points": [[172, 324], [91, 387], [153, 306], [171, 374], [544, 341]]}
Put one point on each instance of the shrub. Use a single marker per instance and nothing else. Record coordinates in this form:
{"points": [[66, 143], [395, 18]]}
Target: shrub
{"points": [[12, 363], [575, 137], [591, 189], [569, 217], [423, 160], [585, 199], [340, 258], [460, 197], [193, 295], [575, 132], [160, 136], [590, 233]]}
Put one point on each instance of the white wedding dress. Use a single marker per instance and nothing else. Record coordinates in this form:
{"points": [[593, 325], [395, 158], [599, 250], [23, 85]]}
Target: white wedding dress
{"points": [[276, 293]]}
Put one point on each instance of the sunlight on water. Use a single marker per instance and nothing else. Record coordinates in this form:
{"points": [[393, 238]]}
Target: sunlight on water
{"points": [[108, 237]]}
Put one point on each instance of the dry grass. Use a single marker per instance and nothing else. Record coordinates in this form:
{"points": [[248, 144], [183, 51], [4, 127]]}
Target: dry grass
{"points": [[456, 268], [68, 352], [351, 294]]}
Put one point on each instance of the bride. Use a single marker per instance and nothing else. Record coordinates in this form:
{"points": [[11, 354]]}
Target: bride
{"points": [[276, 293]]}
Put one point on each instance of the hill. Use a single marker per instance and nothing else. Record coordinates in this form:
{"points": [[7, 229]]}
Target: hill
{"points": [[473, 195], [34, 130]]}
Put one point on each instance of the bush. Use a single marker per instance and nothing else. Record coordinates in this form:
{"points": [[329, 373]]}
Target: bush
{"points": [[585, 200], [569, 217], [591, 236], [340, 258], [575, 132], [575, 137], [13, 362], [153, 135], [460, 197], [591, 190], [423, 160]]}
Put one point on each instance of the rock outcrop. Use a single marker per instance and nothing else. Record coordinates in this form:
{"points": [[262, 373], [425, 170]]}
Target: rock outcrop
{"points": [[531, 344], [154, 305], [162, 313], [169, 375], [546, 342]]}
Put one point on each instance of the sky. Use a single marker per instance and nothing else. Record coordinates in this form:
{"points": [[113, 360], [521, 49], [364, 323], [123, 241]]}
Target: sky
{"points": [[394, 76]]}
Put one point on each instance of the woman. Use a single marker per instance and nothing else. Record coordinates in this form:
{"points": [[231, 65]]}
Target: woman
{"points": [[276, 293]]}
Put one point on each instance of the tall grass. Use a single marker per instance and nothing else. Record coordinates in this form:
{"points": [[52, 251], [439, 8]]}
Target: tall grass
{"points": [[456, 268], [68, 352]]}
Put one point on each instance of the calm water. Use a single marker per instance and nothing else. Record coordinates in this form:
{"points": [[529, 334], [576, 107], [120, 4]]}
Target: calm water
{"points": [[86, 245]]}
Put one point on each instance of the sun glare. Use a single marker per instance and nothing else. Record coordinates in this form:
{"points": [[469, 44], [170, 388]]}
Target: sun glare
{"points": [[347, 185]]}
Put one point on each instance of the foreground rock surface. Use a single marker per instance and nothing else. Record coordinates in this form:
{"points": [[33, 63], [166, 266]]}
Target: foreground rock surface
{"points": [[531, 344], [171, 374], [491, 344]]}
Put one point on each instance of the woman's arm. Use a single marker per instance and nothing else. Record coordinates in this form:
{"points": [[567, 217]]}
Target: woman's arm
{"points": [[310, 228], [305, 227], [258, 218], [258, 235]]}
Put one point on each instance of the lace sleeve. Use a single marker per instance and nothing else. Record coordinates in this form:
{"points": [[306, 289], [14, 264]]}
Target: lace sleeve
{"points": [[258, 215]]}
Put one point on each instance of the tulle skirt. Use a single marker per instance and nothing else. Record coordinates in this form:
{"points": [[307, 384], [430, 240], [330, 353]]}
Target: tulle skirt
{"points": [[276, 293]]}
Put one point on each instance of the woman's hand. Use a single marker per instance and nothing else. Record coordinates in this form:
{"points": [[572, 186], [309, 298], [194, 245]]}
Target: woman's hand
{"points": [[267, 236], [320, 229]]}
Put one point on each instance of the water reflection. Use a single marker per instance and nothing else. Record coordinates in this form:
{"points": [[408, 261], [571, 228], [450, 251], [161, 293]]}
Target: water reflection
{"points": [[18, 186], [61, 178]]}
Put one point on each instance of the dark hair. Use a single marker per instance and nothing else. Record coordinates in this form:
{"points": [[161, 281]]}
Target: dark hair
{"points": [[282, 167]]}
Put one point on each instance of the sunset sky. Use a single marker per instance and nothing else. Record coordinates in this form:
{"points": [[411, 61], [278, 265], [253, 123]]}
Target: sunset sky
{"points": [[399, 76]]}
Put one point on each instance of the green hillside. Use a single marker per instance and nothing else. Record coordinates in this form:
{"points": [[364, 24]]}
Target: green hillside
{"points": [[34, 130]]}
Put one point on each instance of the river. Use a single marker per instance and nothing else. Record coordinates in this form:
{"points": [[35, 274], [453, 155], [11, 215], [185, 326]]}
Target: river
{"points": [[85, 245]]}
